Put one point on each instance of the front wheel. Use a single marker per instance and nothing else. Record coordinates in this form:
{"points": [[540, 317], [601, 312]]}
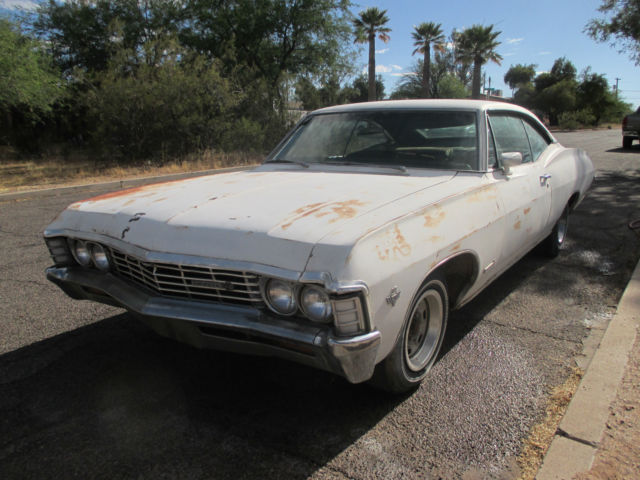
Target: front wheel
{"points": [[626, 142], [551, 245], [419, 342]]}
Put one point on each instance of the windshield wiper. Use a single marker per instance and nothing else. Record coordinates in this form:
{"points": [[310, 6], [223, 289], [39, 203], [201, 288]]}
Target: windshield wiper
{"points": [[401, 168], [282, 160]]}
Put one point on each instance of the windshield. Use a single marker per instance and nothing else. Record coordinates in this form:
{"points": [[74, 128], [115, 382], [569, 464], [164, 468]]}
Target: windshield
{"points": [[413, 139]]}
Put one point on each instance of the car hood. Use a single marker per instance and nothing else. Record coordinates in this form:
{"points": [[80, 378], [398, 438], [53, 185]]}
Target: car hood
{"points": [[270, 216]]}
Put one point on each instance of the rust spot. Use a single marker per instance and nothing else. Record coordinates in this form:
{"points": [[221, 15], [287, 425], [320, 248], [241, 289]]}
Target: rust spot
{"points": [[517, 225], [340, 210], [485, 193], [382, 254], [455, 247], [435, 238], [401, 246], [129, 191], [433, 221], [527, 210]]}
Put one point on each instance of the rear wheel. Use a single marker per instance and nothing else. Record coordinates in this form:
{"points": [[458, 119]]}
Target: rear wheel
{"points": [[626, 142], [419, 342], [551, 245]]}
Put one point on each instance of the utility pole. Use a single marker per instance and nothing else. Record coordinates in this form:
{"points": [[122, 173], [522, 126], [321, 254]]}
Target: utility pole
{"points": [[617, 80]]}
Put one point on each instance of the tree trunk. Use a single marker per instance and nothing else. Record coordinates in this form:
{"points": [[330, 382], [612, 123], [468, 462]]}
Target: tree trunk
{"points": [[426, 73], [372, 67], [477, 74]]}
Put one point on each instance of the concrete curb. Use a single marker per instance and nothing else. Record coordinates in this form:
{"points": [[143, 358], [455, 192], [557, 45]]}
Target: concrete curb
{"points": [[576, 441], [126, 183]]}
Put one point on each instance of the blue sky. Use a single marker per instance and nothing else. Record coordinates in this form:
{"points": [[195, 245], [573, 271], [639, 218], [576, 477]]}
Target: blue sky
{"points": [[533, 31]]}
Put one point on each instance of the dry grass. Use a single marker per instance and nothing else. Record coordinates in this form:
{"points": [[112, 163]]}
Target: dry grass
{"points": [[80, 168], [537, 444]]}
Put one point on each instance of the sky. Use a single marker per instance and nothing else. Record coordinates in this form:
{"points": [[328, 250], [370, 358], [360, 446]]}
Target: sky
{"points": [[533, 32]]}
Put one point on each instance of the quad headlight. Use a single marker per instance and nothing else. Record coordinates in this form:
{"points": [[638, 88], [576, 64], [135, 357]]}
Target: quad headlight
{"points": [[316, 304], [81, 253], [281, 296], [99, 257]]}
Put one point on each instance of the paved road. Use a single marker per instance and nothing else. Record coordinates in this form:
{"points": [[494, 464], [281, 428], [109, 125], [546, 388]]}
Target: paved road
{"points": [[85, 391]]}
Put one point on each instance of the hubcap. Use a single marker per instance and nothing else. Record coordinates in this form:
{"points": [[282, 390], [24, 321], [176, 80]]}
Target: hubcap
{"points": [[562, 229], [424, 329]]}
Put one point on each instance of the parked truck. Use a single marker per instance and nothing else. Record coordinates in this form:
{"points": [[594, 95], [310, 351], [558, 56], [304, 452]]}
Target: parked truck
{"points": [[630, 128]]}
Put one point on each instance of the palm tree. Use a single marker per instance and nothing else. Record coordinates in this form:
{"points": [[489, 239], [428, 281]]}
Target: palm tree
{"points": [[477, 45], [368, 25], [424, 35]]}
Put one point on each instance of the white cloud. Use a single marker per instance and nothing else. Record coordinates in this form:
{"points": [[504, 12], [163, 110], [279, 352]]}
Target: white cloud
{"points": [[380, 52], [544, 53], [396, 67], [541, 72], [508, 54], [18, 4], [383, 69], [404, 74], [512, 41]]}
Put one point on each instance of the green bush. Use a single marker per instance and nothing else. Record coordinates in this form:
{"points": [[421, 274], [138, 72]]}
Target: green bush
{"points": [[576, 119]]}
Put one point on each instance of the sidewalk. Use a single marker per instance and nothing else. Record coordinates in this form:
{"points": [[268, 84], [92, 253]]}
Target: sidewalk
{"points": [[580, 436]]}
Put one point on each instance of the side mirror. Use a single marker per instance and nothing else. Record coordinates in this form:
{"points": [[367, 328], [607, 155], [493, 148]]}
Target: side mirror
{"points": [[510, 159]]}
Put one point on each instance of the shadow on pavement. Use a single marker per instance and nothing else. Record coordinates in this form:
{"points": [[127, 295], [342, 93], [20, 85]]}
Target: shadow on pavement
{"points": [[114, 400]]}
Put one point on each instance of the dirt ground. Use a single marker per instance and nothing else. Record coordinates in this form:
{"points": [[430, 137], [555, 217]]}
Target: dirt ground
{"points": [[618, 456]]}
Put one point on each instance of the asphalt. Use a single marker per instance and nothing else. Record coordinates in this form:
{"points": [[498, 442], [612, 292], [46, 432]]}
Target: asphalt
{"points": [[97, 351], [580, 431]]}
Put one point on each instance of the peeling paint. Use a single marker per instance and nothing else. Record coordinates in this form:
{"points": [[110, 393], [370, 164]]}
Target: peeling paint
{"points": [[517, 225], [527, 210], [340, 210], [434, 221]]}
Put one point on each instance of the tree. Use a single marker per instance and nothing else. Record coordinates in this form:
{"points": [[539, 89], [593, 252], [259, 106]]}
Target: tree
{"points": [[477, 45], [358, 91], [29, 84], [424, 35], [563, 69], [621, 27], [368, 25], [519, 75], [444, 82]]}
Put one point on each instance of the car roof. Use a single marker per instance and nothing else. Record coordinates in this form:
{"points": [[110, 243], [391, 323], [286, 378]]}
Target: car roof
{"points": [[437, 104]]}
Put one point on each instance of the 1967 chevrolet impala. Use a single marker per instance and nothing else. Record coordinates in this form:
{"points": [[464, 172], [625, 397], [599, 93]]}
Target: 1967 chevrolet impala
{"points": [[346, 249]]}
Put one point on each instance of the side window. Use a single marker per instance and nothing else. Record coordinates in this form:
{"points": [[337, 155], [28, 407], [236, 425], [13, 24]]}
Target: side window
{"points": [[510, 136], [536, 140]]}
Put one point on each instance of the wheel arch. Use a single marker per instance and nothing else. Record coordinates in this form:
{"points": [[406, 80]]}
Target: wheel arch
{"points": [[459, 272]]}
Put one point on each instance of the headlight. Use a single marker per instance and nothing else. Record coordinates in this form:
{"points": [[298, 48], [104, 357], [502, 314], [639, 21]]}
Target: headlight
{"points": [[281, 296], [81, 253], [316, 304], [99, 257]]}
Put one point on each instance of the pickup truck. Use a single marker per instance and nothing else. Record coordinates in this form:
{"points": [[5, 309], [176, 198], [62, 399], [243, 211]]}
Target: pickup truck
{"points": [[630, 128]]}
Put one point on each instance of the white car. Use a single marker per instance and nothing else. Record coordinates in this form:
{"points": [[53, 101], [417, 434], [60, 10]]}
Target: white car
{"points": [[346, 249]]}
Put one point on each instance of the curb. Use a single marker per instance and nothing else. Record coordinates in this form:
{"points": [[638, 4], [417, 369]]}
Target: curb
{"points": [[577, 438], [117, 184]]}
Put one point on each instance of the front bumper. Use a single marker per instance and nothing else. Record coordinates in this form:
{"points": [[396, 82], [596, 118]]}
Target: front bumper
{"points": [[225, 327]]}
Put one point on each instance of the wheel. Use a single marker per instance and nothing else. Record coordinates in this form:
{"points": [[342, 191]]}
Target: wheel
{"points": [[419, 342], [551, 245], [626, 142]]}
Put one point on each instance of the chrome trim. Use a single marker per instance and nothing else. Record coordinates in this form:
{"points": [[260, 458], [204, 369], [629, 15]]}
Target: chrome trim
{"points": [[175, 258], [228, 327], [356, 355]]}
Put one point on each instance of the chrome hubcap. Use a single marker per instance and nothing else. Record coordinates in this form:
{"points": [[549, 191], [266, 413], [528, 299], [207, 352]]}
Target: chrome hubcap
{"points": [[424, 329], [562, 229]]}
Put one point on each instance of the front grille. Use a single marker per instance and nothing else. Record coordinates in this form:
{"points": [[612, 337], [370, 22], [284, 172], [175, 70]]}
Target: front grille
{"points": [[189, 281]]}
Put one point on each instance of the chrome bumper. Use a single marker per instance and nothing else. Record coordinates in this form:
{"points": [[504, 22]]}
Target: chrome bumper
{"points": [[226, 327]]}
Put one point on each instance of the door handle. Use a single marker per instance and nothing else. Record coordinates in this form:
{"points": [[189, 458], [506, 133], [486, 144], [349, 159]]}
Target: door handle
{"points": [[544, 178]]}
